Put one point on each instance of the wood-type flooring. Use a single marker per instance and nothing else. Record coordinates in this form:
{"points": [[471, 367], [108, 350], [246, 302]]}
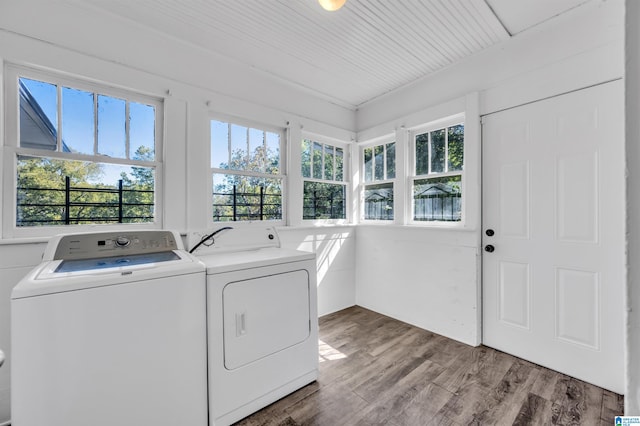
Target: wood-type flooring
{"points": [[375, 370]]}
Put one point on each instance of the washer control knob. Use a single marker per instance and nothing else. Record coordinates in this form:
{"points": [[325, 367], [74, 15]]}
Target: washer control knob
{"points": [[122, 241]]}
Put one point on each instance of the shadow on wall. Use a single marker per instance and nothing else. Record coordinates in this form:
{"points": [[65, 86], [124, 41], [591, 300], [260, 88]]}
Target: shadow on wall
{"points": [[335, 260]]}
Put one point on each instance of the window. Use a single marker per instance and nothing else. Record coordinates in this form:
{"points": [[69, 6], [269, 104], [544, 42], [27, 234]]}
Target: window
{"points": [[84, 154], [379, 171], [246, 166], [323, 174], [438, 167]]}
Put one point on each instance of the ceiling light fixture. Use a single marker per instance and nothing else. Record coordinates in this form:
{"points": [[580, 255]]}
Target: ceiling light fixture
{"points": [[331, 5]]}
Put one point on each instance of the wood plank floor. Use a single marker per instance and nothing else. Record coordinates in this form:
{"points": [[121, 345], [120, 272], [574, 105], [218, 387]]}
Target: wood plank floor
{"points": [[375, 370]]}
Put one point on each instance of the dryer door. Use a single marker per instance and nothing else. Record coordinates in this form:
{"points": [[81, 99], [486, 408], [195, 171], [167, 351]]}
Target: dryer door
{"points": [[264, 315]]}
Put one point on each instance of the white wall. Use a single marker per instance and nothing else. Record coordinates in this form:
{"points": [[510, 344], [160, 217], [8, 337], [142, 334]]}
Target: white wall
{"points": [[15, 262], [632, 83], [428, 276], [335, 249]]}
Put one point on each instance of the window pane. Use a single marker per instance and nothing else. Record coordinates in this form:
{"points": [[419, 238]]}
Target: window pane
{"points": [[142, 130], [324, 201], [242, 198], [328, 162], [422, 154], [391, 160], [238, 147], [368, 164], [306, 158], [437, 151], [257, 161], [378, 202], [317, 160], [272, 153], [77, 121], [96, 192], [219, 144], [456, 147], [339, 164], [379, 162], [111, 126], [438, 199], [38, 115]]}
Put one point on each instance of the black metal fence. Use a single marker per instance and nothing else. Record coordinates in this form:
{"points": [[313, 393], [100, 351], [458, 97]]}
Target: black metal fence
{"points": [[318, 206], [238, 206], [74, 205]]}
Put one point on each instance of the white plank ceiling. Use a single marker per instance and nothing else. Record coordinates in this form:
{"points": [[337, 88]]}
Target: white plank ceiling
{"points": [[351, 56]]}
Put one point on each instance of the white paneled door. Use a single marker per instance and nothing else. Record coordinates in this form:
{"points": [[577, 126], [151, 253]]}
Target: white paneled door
{"points": [[553, 233]]}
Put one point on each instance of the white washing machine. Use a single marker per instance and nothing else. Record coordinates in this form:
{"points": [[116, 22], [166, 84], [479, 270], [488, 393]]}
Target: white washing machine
{"points": [[110, 329], [262, 321]]}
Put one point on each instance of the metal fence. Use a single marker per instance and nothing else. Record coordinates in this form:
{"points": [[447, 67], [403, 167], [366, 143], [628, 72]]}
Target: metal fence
{"points": [[123, 202], [323, 207], [238, 206]]}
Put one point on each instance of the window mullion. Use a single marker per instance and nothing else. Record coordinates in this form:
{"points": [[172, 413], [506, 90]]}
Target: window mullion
{"points": [[264, 152], [322, 155], [446, 149], [248, 148], [59, 117], [429, 153], [228, 144], [127, 130], [334, 157], [384, 161], [95, 123]]}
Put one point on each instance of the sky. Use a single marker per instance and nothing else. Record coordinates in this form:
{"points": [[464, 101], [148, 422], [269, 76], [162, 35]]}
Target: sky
{"points": [[78, 123]]}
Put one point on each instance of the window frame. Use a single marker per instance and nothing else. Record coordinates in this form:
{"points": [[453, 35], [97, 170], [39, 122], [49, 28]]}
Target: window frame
{"points": [[12, 150], [283, 175], [412, 176], [364, 184], [345, 182]]}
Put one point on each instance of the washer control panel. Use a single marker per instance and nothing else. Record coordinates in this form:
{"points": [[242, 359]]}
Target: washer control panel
{"points": [[108, 244]]}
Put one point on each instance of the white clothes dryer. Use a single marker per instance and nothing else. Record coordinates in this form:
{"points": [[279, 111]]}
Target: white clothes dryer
{"points": [[110, 330], [262, 321]]}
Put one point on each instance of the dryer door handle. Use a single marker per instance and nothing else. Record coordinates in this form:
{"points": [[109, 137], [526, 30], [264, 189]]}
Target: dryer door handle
{"points": [[241, 324]]}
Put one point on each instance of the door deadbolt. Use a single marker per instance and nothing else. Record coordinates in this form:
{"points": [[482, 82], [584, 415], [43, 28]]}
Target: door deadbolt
{"points": [[489, 248], [489, 232]]}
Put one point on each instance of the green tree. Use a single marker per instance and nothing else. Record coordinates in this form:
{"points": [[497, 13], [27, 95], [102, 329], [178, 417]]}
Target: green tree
{"points": [[456, 147], [139, 189], [41, 191], [256, 197]]}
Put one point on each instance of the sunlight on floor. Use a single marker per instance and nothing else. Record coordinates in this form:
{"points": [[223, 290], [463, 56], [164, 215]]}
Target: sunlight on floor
{"points": [[328, 353]]}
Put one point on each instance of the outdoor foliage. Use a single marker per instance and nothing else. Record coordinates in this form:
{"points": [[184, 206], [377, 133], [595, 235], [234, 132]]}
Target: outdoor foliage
{"points": [[44, 199], [244, 197], [324, 201]]}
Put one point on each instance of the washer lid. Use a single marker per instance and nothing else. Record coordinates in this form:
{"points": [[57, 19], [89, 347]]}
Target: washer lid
{"points": [[59, 276], [75, 265]]}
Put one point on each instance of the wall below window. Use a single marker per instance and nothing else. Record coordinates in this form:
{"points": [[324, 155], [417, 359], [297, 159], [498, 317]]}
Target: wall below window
{"points": [[426, 277], [335, 249], [15, 262]]}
